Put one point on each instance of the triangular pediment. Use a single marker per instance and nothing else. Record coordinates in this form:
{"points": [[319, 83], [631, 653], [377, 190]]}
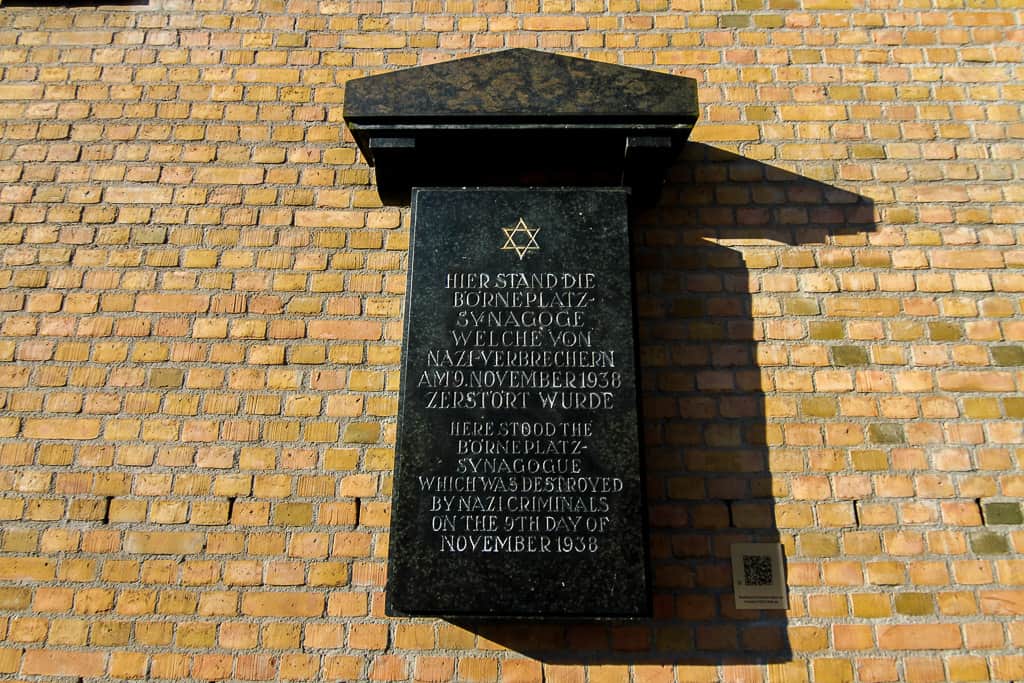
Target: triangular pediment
{"points": [[519, 116], [521, 83]]}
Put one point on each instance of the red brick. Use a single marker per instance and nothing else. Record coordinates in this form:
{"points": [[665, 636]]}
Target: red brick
{"points": [[345, 329], [919, 637], [212, 667], [975, 381], [163, 542], [256, 667], [967, 259], [555, 23], [309, 218], [141, 194], [434, 669], [249, 175], [61, 428], [65, 38], [1008, 667], [194, 251], [1003, 603], [172, 303], [57, 663], [388, 668]]}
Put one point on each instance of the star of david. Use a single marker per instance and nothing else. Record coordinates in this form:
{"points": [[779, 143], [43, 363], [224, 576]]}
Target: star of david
{"points": [[521, 239]]}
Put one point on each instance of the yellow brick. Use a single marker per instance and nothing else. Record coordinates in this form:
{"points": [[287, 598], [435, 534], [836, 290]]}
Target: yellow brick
{"points": [[307, 355], [821, 112], [269, 354], [293, 514], [210, 328], [27, 569], [362, 432], [267, 75], [870, 605], [303, 405], [140, 194], [21, 92], [838, 670], [163, 542], [725, 133], [248, 329]]}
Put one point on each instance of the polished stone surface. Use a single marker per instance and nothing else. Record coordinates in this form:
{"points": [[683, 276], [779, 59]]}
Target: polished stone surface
{"points": [[521, 85], [520, 117], [517, 489]]}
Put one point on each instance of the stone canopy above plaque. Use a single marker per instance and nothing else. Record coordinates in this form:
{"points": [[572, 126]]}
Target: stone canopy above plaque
{"points": [[520, 117], [518, 488]]}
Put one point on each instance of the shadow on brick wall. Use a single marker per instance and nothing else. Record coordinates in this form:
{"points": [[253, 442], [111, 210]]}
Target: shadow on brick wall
{"points": [[709, 482]]}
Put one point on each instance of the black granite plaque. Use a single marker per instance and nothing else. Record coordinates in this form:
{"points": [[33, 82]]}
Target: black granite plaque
{"points": [[518, 488]]}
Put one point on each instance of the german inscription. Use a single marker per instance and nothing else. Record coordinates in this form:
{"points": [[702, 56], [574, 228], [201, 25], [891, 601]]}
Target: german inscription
{"points": [[518, 472]]}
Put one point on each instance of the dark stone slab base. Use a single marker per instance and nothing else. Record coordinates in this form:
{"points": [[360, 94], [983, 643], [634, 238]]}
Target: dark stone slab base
{"points": [[518, 490]]}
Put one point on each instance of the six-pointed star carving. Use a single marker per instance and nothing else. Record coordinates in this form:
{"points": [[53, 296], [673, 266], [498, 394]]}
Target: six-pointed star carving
{"points": [[521, 239]]}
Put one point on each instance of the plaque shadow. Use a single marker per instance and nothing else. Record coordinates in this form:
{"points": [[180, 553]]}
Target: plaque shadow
{"points": [[705, 436]]}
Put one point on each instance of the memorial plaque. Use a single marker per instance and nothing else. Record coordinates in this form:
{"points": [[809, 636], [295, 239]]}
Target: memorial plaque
{"points": [[517, 484], [517, 489]]}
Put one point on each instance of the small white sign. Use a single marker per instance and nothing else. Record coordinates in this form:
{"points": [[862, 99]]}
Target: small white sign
{"points": [[759, 576]]}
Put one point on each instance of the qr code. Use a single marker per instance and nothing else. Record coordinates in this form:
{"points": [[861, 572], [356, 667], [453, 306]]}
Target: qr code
{"points": [[758, 570]]}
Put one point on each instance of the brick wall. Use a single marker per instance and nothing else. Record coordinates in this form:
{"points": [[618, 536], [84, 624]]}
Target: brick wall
{"points": [[201, 320]]}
